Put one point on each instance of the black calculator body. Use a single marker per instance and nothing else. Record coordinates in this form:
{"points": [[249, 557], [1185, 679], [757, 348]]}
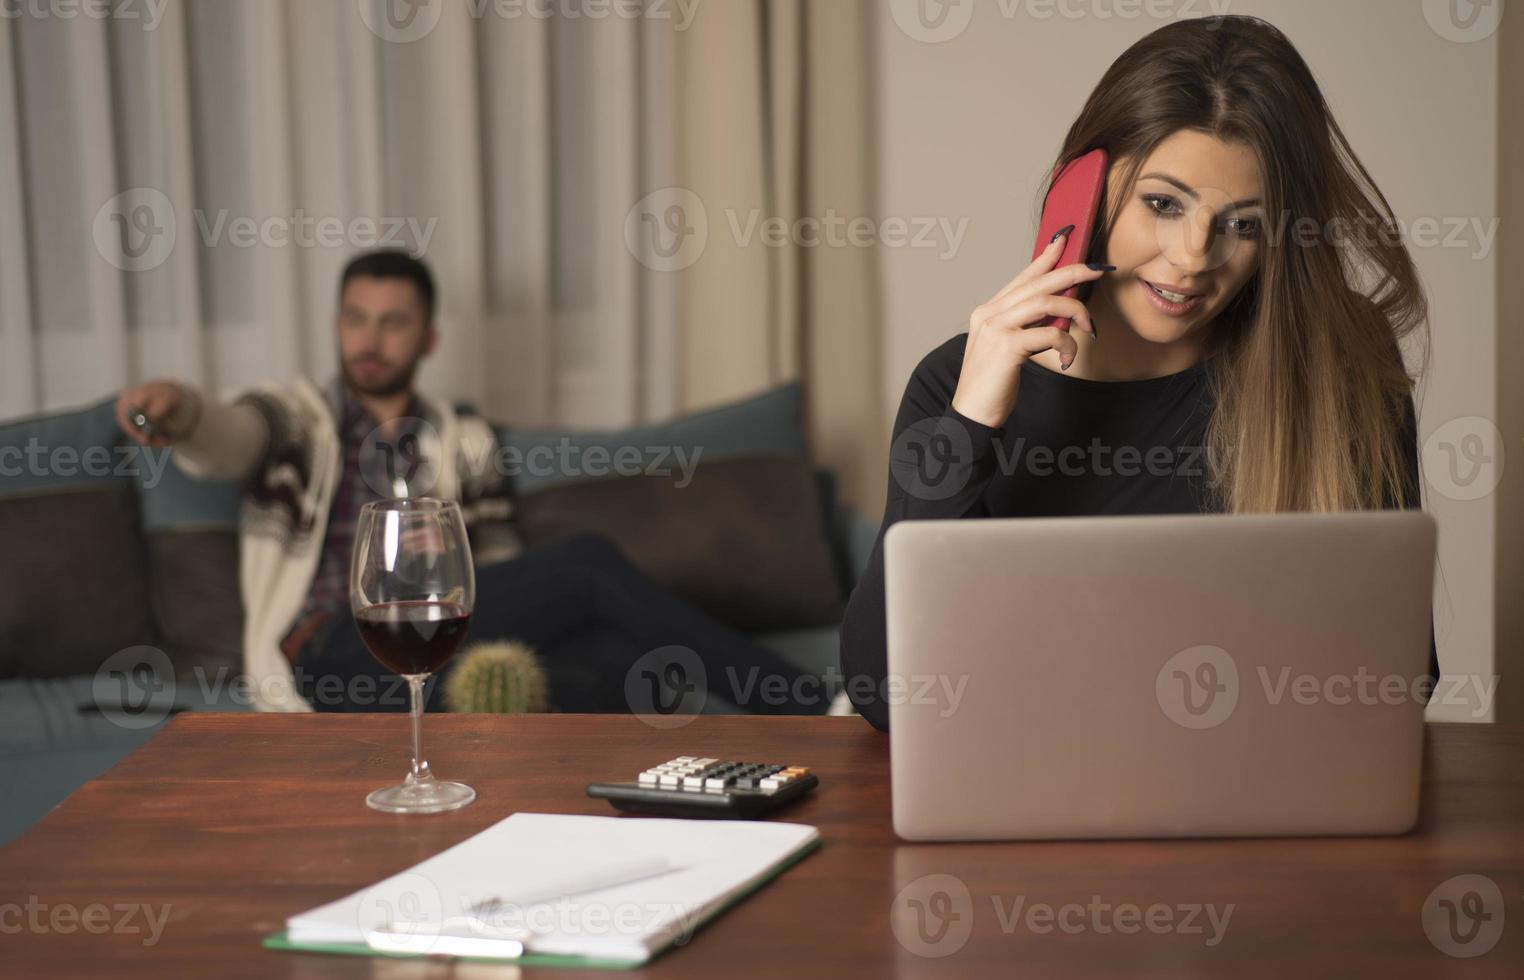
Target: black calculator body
{"points": [[694, 786]]}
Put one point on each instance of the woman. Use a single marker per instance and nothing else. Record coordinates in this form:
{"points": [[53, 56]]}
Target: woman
{"points": [[1243, 369]]}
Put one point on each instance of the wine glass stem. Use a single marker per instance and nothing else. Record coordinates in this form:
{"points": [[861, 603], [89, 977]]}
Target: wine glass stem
{"points": [[415, 691]]}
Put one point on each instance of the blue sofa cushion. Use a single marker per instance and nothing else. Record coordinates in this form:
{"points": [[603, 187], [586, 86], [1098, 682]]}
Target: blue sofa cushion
{"points": [[768, 424], [174, 501], [67, 451]]}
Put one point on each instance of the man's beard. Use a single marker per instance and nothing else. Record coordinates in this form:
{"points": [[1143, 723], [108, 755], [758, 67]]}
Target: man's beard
{"points": [[385, 387]]}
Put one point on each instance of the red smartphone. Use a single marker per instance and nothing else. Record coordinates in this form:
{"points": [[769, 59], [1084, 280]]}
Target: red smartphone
{"points": [[1074, 199]]}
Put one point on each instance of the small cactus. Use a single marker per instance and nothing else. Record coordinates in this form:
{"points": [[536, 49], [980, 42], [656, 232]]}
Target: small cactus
{"points": [[499, 677]]}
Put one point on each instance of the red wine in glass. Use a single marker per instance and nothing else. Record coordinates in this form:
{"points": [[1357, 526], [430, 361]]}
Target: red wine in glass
{"points": [[412, 586], [413, 636]]}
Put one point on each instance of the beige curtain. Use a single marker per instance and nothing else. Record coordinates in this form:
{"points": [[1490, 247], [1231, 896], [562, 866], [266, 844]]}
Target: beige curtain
{"points": [[774, 123], [507, 149]]}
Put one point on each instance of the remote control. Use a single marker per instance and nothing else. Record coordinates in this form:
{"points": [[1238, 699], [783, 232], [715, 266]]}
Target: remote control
{"points": [[694, 786], [141, 421]]}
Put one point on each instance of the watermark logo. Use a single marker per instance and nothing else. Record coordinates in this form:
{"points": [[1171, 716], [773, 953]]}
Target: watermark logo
{"points": [[400, 459], [933, 916], [836, 230], [1463, 458], [400, 21], [135, 230], [408, 906], [1209, 217], [1197, 688], [932, 21], [135, 687], [667, 686], [667, 230], [1463, 21], [932, 459], [1200, 688], [1463, 916]]}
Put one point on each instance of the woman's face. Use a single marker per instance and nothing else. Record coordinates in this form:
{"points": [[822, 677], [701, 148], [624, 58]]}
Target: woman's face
{"points": [[1191, 224]]}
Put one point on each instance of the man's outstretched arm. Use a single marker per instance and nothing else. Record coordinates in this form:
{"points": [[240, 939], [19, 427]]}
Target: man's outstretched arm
{"points": [[210, 439]]}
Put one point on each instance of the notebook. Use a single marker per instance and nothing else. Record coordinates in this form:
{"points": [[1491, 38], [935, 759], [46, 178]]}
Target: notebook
{"points": [[552, 889]]}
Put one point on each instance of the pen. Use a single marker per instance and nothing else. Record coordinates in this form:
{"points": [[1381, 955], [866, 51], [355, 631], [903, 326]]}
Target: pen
{"points": [[473, 934]]}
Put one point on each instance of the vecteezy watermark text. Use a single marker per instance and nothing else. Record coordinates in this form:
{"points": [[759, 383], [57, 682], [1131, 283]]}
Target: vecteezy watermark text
{"points": [[405, 21], [934, 916], [38, 460], [96, 918], [150, 12], [136, 230], [1200, 688], [405, 452]]}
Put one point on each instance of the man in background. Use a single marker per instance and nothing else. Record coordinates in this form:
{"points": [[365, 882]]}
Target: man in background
{"points": [[310, 457]]}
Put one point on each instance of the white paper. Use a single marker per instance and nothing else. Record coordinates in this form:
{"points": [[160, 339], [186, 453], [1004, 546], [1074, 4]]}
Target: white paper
{"points": [[537, 853]]}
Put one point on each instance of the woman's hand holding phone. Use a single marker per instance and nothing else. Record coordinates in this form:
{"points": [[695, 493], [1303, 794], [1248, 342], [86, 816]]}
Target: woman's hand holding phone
{"points": [[1002, 334]]}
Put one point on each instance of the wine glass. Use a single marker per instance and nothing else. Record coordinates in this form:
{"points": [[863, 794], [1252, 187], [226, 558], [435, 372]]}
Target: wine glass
{"points": [[412, 587]]}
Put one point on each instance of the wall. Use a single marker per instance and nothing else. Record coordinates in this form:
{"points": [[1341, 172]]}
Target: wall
{"points": [[1509, 500]]}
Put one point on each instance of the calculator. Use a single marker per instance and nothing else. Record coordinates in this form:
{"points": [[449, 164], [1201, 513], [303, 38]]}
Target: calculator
{"points": [[694, 786]]}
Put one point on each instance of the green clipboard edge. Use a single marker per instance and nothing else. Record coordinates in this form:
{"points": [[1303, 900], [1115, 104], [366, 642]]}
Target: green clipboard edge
{"points": [[281, 941]]}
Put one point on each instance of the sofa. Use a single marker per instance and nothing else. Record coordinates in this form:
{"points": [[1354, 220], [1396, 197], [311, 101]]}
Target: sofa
{"points": [[119, 564]]}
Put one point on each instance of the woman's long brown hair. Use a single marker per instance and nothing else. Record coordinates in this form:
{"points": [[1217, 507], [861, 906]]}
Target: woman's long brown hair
{"points": [[1311, 387]]}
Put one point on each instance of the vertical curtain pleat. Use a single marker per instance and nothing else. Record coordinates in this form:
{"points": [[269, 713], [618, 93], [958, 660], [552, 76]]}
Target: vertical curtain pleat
{"points": [[18, 359], [782, 102], [336, 142], [724, 323], [271, 191], [82, 340], [658, 292], [151, 79], [616, 331], [515, 126]]}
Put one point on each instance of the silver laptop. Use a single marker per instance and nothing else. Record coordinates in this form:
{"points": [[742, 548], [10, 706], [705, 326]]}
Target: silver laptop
{"points": [[1158, 676]]}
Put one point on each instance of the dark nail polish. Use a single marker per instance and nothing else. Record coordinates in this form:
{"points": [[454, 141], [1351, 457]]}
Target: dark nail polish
{"points": [[1100, 267], [1060, 233]]}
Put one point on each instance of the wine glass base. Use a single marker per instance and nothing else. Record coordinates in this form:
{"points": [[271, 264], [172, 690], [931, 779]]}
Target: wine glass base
{"points": [[430, 796]]}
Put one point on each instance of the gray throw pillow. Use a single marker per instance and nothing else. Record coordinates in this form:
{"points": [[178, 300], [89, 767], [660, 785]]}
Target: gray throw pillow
{"points": [[197, 605], [745, 540], [74, 588]]}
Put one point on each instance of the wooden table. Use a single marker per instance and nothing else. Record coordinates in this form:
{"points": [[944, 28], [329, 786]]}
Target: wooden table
{"points": [[227, 823]]}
